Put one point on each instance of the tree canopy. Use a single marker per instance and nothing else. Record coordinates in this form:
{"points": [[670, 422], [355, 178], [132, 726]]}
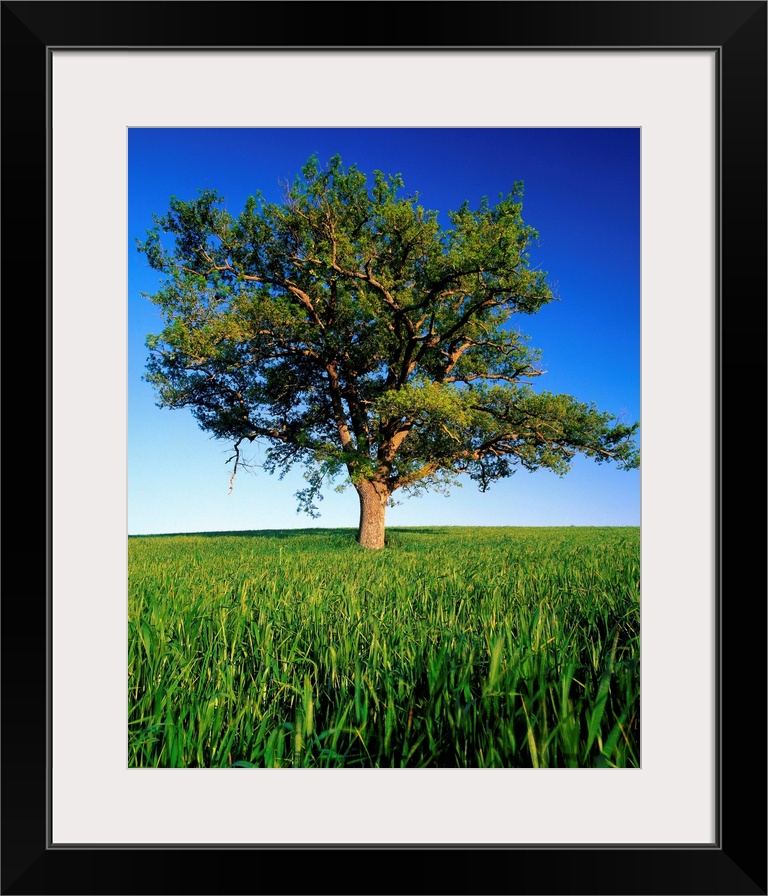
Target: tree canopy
{"points": [[358, 338]]}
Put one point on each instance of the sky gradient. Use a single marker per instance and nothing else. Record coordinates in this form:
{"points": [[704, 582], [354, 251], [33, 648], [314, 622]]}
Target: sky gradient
{"points": [[582, 194]]}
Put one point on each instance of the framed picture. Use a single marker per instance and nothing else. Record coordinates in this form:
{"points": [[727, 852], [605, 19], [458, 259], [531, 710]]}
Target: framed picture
{"points": [[691, 77]]}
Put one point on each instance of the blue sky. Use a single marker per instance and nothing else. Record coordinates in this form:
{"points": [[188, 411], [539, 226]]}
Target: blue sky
{"points": [[582, 193]]}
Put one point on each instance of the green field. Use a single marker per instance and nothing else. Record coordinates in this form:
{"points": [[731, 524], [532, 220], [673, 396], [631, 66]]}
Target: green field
{"points": [[453, 647]]}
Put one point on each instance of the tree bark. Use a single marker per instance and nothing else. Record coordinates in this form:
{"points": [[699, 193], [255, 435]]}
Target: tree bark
{"points": [[373, 507]]}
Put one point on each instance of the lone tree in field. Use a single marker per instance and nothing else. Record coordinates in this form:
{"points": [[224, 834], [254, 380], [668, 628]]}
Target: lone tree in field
{"points": [[354, 335]]}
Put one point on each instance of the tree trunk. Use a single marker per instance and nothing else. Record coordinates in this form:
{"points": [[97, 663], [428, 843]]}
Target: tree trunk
{"points": [[373, 507]]}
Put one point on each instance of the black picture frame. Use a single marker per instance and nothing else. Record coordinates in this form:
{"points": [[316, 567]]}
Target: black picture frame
{"points": [[736, 863]]}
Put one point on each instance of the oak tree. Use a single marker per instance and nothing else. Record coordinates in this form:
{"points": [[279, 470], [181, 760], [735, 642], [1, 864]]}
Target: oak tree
{"points": [[354, 335]]}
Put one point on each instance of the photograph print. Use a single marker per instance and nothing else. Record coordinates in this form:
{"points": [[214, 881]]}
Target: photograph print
{"points": [[384, 448]]}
